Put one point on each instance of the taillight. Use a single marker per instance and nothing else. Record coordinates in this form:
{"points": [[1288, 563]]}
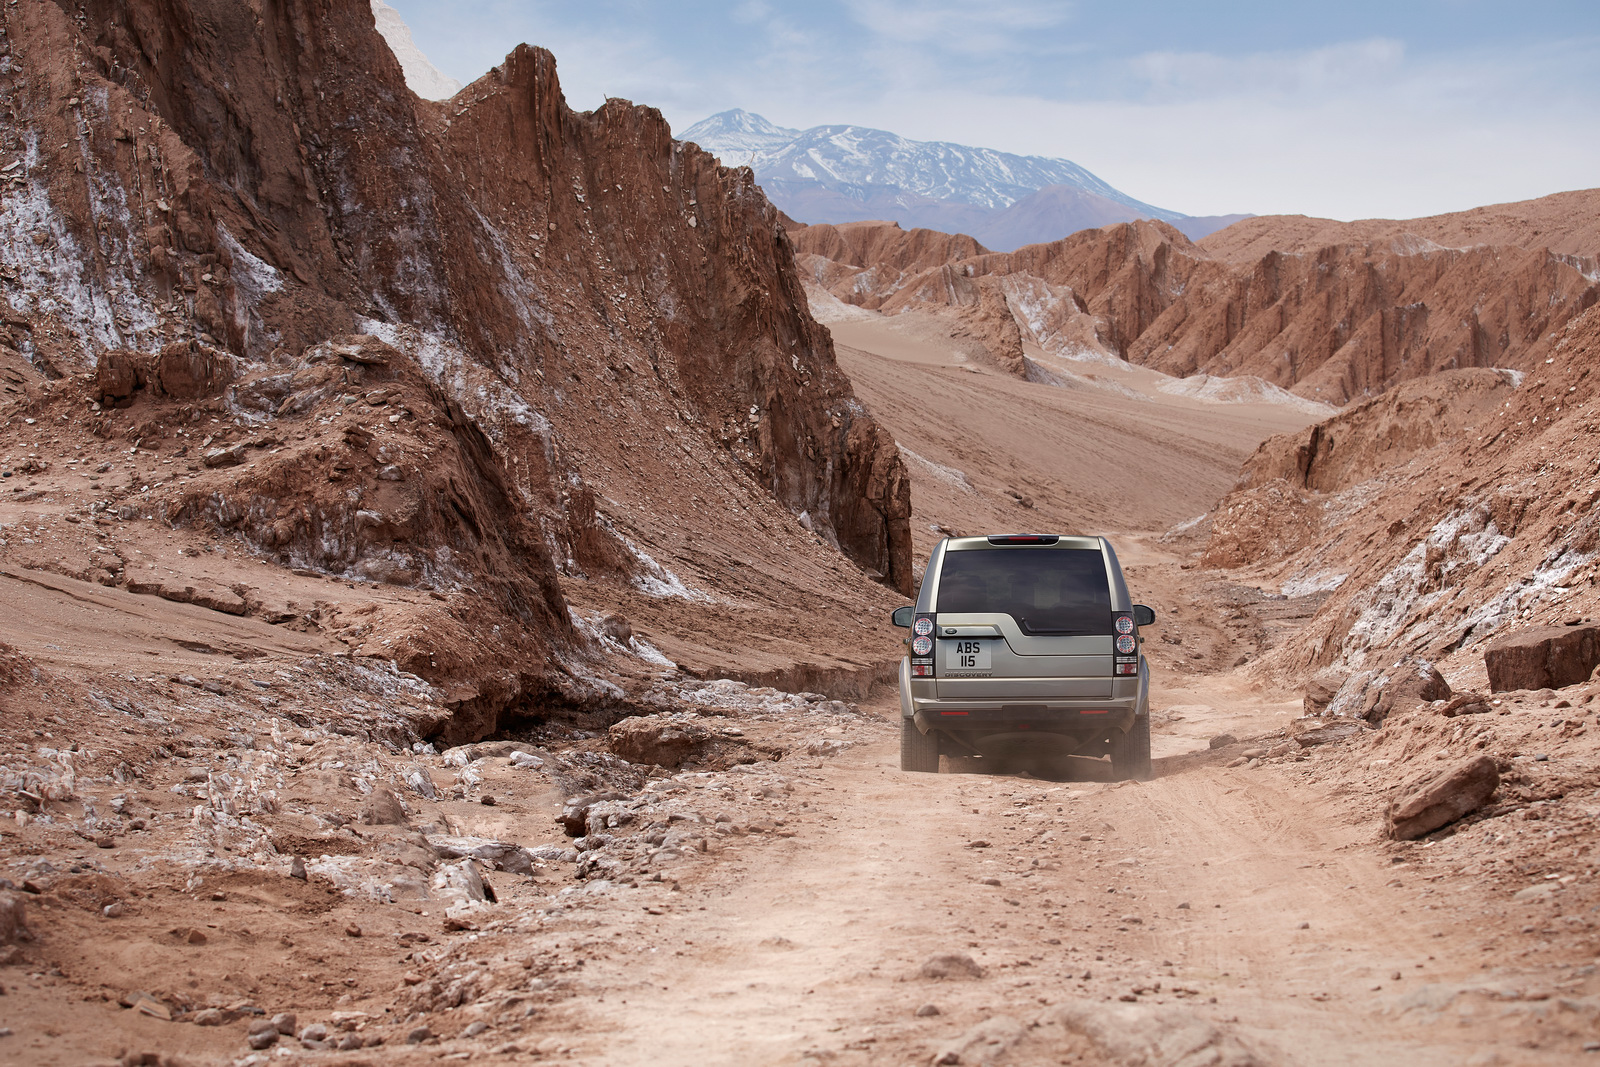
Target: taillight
{"points": [[1126, 644], [922, 647]]}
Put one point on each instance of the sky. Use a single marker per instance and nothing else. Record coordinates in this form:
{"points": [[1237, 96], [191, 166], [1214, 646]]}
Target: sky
{"points": [[1338, 108]]}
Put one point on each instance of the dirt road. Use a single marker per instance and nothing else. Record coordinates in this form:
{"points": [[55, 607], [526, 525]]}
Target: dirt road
{"points": [[1252, 900]]}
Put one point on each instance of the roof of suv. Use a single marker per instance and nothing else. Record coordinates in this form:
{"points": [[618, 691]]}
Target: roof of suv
{"points": [[956, 544]]}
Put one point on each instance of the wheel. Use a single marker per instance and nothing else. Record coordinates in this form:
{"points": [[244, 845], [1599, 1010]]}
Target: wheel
{"points": [[1130, 752], [918, 751]]}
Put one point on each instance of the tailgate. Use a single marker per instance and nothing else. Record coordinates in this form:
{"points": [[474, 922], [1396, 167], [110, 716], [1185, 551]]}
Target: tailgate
{"points": [[988, 657]]}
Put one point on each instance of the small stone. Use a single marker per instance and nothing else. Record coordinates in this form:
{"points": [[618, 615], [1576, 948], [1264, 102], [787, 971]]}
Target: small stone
{"points": [[475, 1029], [284, 1022], [297, 868], [1223, 741], [194, 937], [262, 1039], [114, 910], [352, 930], [418, 1035], [950, 965], [1132, 919], [105, 841], [207, 1017], [1430, 801], [145, 1004], [1303, 926], [314, 1032], [350, 1042], [487, 800], [989, 881], [927, 1010], [1184, 906]]}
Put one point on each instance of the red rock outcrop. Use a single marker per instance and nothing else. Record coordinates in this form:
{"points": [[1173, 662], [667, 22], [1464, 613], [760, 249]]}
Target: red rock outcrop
{"points": [[1565, 223], [1380, 433], [1485, 534], [599, 333], [1332, 323]]}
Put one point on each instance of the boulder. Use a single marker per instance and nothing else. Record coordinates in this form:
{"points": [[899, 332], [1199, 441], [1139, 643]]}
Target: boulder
{"points": [[119, 373], [1374, 694], [459, 882], [1466, 702], [950, 965], [384, 809], [1432, 800], [501, 855], [1543, 657], [188, 370], [1320, 692], [1309, 733], [574, 817], [657, 739]]}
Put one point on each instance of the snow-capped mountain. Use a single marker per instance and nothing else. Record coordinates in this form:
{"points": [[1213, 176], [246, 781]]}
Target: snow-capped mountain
{"points": [[850, 173]]}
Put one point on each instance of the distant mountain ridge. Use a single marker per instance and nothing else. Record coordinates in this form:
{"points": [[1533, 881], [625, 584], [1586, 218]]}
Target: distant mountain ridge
{"points": [[854, 173]]}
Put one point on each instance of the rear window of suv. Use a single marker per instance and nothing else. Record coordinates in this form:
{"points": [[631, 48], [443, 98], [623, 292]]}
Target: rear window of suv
{"points": [[1048, 591]]}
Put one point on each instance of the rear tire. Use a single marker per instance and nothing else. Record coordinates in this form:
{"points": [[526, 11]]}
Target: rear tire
{"points": [[918, 751], [1130, 752]]}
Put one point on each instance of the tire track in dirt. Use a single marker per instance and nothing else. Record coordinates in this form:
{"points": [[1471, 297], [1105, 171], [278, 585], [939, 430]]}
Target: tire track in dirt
{"points": [[808, 949]]}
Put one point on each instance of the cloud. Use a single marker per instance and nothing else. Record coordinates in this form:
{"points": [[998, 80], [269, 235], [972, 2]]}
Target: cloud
{"points": [[1319, 72], [1305, 135], [959, 26], [1375, 111]]}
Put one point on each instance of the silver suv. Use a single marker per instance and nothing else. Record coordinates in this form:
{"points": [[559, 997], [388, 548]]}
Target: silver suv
{"points": [[1025, 650]]}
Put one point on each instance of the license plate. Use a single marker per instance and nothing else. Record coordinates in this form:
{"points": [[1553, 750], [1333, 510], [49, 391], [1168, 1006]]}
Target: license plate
{"points": [[966, 655]]}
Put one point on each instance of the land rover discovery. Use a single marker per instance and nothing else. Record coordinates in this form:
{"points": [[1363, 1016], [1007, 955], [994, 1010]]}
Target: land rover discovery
{"points": [[1025, 650]]}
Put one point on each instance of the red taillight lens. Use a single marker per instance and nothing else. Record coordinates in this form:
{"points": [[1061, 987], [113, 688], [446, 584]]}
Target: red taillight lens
{"points": [[1127, 668], [921, 646], [1124, 624], [922, 670], [922, 627]]}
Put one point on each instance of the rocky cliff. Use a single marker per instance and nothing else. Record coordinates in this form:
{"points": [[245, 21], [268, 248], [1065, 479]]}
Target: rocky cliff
{"points": [[1330, 322], [488, 348]]}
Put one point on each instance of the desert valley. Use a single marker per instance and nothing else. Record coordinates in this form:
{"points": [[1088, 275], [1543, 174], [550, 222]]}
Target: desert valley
{"points": [[447, 549]]}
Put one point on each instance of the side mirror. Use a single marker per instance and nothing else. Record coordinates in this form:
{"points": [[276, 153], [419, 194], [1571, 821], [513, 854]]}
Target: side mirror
{"points": [[903, 616], [1143, 616]]}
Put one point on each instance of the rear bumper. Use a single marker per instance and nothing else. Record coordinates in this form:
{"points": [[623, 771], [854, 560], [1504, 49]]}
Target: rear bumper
{"points": [[1095, 717], [1077, 716]]}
